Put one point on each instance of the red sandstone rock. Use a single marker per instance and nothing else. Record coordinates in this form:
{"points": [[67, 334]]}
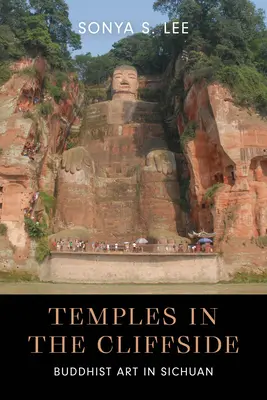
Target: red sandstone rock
{"points": [[230, 147], [128, 187], [20, 176]]}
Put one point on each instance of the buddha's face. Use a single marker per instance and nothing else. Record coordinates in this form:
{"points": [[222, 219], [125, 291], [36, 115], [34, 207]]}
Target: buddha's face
{"points": [[125, 82]]}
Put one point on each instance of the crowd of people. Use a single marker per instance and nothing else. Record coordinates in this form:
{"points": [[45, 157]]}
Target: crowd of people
{"points": [[84, 245], [198, 248], [77, 245]]}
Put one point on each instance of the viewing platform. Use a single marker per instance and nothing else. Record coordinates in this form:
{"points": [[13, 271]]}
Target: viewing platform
{"points": [[130, 267]]}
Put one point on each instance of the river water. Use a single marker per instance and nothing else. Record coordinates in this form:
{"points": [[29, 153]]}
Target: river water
{"points": [[72, 288]]}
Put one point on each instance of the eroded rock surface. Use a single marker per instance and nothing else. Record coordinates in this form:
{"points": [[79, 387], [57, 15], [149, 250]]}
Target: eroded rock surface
{"points": [[29, 143], [230, 151], [121, 181]]}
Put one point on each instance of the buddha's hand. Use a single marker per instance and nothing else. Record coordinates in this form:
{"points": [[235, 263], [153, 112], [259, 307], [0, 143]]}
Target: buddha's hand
{"points": [[75, 159], [161, 161]]}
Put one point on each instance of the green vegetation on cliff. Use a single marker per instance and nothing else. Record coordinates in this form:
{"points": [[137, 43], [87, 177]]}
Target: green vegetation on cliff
{"points": [[34, 229], [42, 249], [3, 229], [36, 28], [227, 42], [48, 202], [210, 192], [140, 50], [39, 232]]}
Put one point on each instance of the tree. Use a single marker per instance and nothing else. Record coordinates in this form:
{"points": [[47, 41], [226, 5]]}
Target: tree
{"points": [[37, 27], [142, 51], [227, 42], [56, 15], [94, 70], [259, 53], [222, 28], [11, 12], [10, 45], [37, 39]]}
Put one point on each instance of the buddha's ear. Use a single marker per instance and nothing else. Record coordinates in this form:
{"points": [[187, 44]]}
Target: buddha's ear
{"points": [[137, 86]]}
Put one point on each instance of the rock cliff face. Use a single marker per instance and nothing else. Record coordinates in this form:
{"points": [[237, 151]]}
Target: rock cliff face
{"points": [[227, 159], [120, 192], [29, 142], [114, 193]]}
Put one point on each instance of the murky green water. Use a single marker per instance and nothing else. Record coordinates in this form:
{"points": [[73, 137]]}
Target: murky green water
{"points": [[61, 288]]}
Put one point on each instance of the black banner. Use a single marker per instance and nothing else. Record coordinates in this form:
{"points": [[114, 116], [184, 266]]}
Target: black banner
{"points": [[181, 337]]}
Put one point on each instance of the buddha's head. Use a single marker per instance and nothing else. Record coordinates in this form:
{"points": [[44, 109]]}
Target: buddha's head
{"points": [[125, 83]]}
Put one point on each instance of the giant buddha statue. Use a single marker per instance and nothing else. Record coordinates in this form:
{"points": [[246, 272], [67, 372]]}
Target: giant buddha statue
{"points": [[121, 181]]}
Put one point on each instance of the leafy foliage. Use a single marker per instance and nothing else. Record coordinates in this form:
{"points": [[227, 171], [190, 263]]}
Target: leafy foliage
{"points": [[189, 133], [248, 86], [227, 42], [37, 27], [212, 190], [34, 230], [5, 73], [45, 108], [53, 83], [95, 92], [48, 202], [149, 53], [3, 229], [42, 249], [245, 277], [28, 114], [261, 241], [72, 140]]}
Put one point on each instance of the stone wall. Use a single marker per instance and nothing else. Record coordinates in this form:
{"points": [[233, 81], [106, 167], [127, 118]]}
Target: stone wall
{"points": [[131, 268]]}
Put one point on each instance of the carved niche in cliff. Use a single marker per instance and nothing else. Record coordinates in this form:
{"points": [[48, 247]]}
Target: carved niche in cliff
{"points": [[122, 171]]}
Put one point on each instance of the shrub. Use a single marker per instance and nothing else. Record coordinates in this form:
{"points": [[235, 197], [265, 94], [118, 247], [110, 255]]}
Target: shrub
{"points": [[212, 190], [5, 73], [70, 145], [45, 108], [98, 93], [189, 133], [248, 86], [29, 71], [61, 78], [56, 92], [54, 85], [42, 249], [48, 202], [3, 229], [28, 114], [247, 277], [261, 241], [35, 230]]}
